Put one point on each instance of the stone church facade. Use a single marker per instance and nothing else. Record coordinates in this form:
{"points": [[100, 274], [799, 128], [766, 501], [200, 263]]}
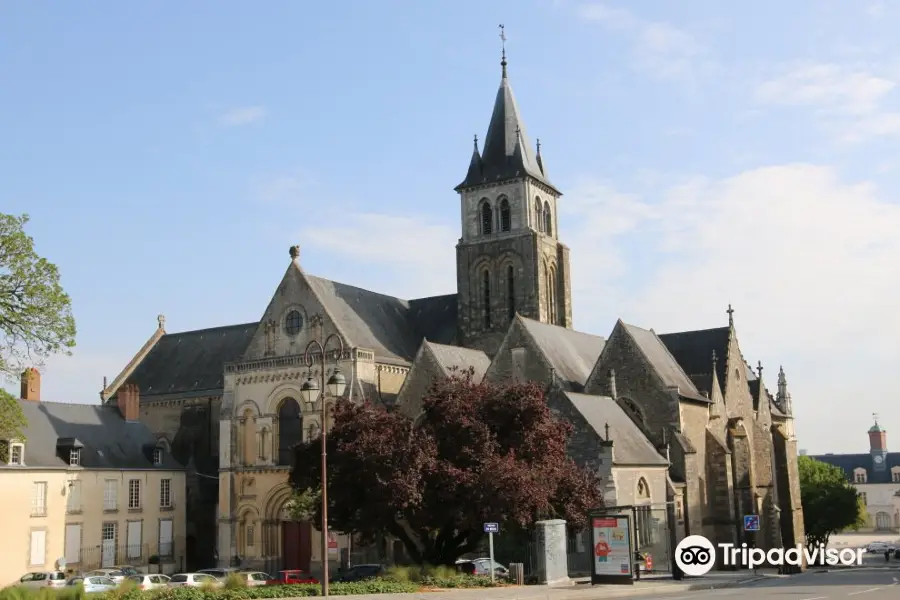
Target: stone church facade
{"points": [[678, 421]]}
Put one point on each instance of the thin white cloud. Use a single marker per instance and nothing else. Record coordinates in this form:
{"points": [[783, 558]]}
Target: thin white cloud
{"points": [[853, 103], [659, 48], [807, 260], [242, 116]]}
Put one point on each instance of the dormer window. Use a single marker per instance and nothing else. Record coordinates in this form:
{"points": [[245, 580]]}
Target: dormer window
{"points": [[75, 457], [859, 475], [16, 454], [157, 456]]}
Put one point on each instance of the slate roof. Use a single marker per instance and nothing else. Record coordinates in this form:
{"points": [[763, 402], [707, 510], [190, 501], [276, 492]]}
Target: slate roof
{"points": [[191, 362], [508, 153], [108, 441], [755, 393], [572, 354], [663, 362], [630, 446], [693, 351], [462, 358], [849, 462]]}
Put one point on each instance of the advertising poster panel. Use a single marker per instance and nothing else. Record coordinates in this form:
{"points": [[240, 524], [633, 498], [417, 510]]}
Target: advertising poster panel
{"points": [[613, 554]]}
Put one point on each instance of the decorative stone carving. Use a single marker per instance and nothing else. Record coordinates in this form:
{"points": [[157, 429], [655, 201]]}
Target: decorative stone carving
{"points": [[552, 557]]}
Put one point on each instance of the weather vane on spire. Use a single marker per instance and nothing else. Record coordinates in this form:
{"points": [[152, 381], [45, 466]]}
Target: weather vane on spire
{"points": [[503, 47]]}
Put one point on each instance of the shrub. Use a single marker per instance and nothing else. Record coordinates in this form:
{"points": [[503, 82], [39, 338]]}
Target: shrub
{"points": [[235, 581], [437, 577]]}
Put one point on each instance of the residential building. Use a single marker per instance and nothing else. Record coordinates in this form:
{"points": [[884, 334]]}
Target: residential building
{"points": [[692, 426], [103, 489], [876, 476]]}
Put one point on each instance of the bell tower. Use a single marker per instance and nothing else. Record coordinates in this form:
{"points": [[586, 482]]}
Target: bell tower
{"points": [[509, 259]]}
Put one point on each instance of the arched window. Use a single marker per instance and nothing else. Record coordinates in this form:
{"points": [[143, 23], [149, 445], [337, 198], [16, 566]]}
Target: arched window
{"points": [[505, 220], [538, 215], [487, 218], [290, 430], [264, 440], [551, 295], [511, 292], [249, 424], [548, 219], [643, 490], [486, 290]]}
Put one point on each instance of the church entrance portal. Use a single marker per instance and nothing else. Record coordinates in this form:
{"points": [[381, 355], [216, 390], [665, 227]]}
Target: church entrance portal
{"points": [[296, 545]]}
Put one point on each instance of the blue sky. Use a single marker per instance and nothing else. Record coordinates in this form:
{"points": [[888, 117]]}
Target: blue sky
{"points": [[169, 153]]}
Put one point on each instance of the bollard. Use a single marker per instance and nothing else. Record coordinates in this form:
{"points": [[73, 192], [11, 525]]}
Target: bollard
{"points": [[517, 573]]}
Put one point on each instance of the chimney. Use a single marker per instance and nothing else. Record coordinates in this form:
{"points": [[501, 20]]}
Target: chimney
{"points": [[129, 402], [31, 385], [611, 375]]}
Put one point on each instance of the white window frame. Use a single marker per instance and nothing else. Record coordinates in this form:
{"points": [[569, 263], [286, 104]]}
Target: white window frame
{"points": [[134, 494], [73, 499], [157, 456], [39, 499], [12, 451], [110, 494], [165, 493], [75, 457]]}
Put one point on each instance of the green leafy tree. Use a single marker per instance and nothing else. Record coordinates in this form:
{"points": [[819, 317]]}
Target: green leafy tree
{"points": [[830, 503], [303, 504], [35, 315]]}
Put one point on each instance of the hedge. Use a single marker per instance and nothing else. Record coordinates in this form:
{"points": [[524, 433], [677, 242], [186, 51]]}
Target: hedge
{"points": [[374, 586]]}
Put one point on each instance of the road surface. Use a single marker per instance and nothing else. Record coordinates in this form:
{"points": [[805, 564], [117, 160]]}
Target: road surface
{"points": [[843, 584]]}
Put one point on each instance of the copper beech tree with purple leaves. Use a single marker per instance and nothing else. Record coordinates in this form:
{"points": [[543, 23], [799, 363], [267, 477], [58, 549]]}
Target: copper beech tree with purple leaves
{"points": [[479, 453]]}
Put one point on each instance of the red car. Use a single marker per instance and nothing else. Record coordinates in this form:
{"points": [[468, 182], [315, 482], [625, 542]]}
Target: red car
{"points": [[292, 577]]}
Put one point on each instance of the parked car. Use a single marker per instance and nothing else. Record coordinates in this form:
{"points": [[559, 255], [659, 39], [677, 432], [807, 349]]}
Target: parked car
{"points": [[93, 584], [291, 577], [222, 573], [481, 566], [53, 579], [114, 574], [194, 580], [128, 570], [878, 547], [254, 578], [361, 573], [149, 582]]}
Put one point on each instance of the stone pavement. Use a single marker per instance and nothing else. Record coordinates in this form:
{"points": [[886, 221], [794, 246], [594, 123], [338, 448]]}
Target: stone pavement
{"points": [[579, 591]]}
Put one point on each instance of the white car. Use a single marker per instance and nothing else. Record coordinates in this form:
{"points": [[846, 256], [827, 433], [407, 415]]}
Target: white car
{"points": [[114, 574], [879, 547], [149, 582], [194, 580], [51, 579], [255, 578]]}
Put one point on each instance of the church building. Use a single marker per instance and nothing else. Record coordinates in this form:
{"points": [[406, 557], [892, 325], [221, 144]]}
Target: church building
{"points": [[680, 427]]}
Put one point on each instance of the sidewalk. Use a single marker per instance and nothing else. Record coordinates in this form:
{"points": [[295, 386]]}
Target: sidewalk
{"points": [[577, 591]]}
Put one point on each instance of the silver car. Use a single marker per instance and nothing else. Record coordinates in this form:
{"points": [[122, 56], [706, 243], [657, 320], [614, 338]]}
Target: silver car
{"points": [[51, 579], [93, 584], [194, 580]]}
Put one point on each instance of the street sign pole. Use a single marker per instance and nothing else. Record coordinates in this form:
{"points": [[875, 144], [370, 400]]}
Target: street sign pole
{"points": [[491, 529], [491, 549]]}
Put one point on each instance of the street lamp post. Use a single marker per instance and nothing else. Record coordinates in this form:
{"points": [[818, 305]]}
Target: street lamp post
{"points": [[336, 385]]}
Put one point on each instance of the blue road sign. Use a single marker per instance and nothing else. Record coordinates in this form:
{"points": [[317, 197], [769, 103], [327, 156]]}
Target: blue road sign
{"points": [[751, 522], [491, 528]]}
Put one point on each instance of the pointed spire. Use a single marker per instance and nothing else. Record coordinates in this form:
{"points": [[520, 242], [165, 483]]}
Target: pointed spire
{"points": [[503, 51], [730, 312], [782, 380], [715, 359], [540, 161], [476, 142], [507, 153], [759, 369]]}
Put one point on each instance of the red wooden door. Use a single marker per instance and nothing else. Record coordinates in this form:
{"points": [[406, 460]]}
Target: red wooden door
{"points": [[296, 545]]}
